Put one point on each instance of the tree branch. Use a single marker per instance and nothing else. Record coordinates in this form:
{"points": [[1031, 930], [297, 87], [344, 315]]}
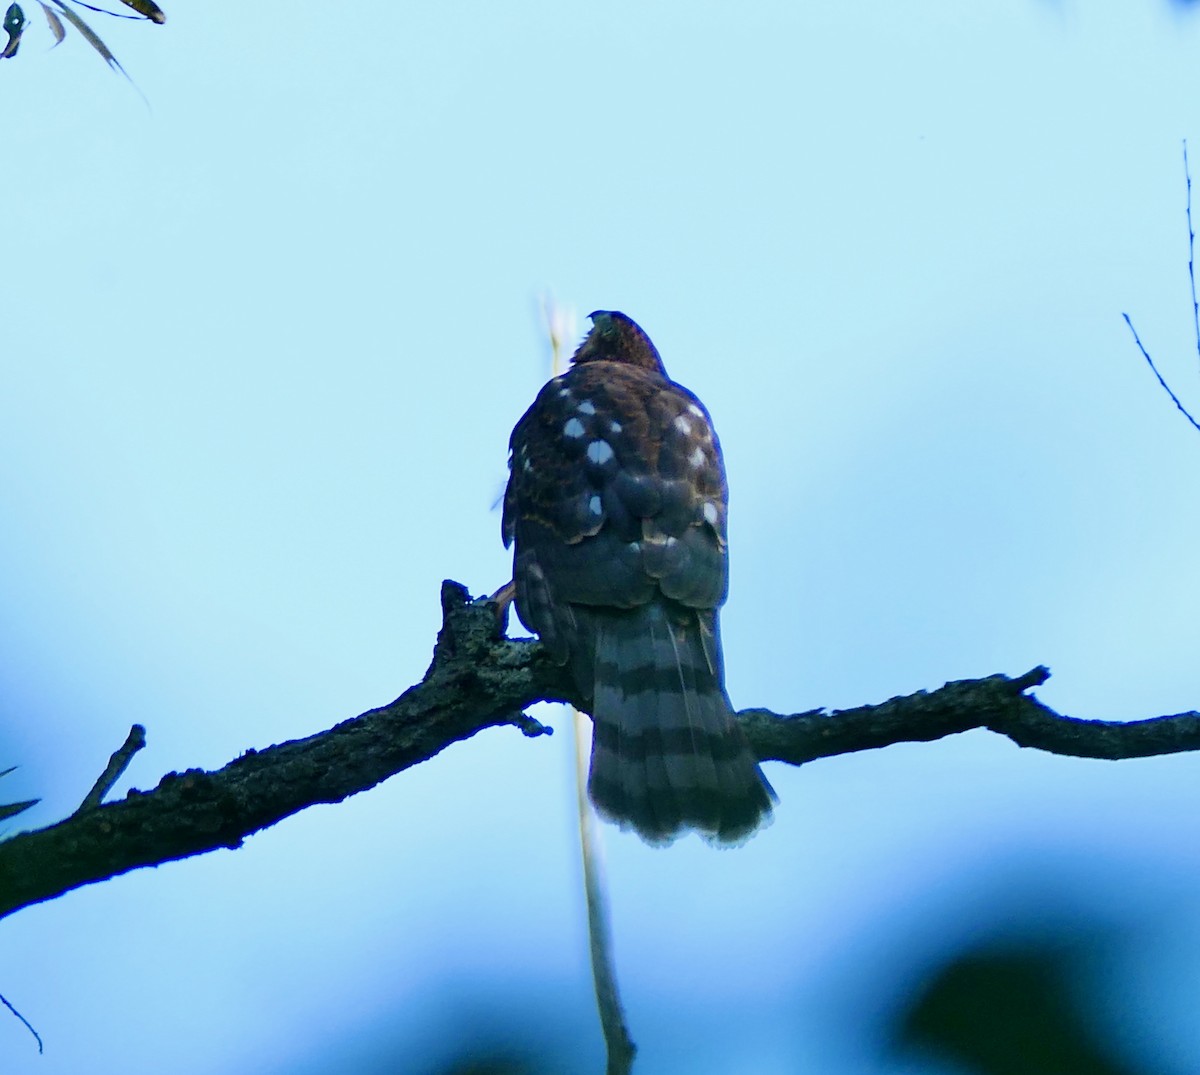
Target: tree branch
{"points": [[117, 764], [478, 679], [997, 703]]}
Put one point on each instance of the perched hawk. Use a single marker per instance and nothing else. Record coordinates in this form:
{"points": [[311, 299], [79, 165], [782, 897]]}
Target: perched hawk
{"points": [[616, 505]]}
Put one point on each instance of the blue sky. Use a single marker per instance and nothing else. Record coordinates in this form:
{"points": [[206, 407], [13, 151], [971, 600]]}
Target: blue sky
{"points": [[263, 346]]}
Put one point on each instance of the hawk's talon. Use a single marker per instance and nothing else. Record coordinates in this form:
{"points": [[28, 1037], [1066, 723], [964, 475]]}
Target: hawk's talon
{"points": [[503, 599]]}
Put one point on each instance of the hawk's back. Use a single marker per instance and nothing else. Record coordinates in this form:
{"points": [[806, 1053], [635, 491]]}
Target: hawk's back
{"points": [[616, 503]]}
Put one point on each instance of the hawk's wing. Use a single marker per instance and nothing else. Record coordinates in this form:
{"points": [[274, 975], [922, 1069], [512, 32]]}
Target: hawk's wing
{"points": [[616, 496]]}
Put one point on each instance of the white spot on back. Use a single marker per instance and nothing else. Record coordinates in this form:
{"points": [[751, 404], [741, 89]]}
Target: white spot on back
{"points": [[683, 425], [697, 457], [710, 513], [599, 452], [587, 407], [695, 410], [595, 507], [526, 465], [614, 427], [573, 428]]}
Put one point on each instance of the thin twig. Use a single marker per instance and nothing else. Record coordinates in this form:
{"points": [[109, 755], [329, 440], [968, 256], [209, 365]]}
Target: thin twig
{"points": [[117, 764], [8, 810], [1187, 175], [114, 14], [28, 1025], [1166, 388]]}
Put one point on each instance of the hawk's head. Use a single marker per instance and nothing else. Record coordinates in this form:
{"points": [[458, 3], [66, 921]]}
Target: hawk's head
{"points": [[617, 338]]}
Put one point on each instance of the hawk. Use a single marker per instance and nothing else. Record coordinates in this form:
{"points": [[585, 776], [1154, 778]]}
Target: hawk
{"points": [[615, 507]]}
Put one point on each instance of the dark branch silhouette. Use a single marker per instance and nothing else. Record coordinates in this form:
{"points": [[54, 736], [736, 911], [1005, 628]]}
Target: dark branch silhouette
{"points": [[479, 679]]}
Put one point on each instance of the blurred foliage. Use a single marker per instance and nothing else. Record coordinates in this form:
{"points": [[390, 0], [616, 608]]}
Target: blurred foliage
{"points": [[1013, 1010], [470, 1029], [492, 1062]]}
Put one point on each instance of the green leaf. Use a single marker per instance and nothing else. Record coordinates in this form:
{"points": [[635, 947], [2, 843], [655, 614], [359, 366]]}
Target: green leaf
{"points": [[14, 25], [93, 39], [90, 36], [59, 31], [14, 19], [148, 8]]}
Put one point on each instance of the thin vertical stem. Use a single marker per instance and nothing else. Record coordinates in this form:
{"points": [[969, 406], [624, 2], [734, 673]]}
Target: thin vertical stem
{"points": [[618, 1045], [617, 1042]]}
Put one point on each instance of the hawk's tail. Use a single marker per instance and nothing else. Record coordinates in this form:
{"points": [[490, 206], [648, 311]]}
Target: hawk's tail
{"points": [[667, 752]]}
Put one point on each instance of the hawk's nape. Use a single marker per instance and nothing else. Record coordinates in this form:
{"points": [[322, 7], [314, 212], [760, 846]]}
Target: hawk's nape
{"points": [[616, 505]]}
